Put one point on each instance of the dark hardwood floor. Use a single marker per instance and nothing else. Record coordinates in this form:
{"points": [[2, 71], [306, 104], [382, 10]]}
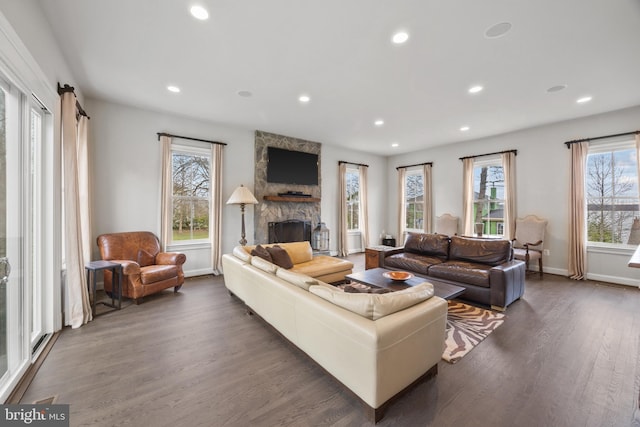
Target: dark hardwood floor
{"points": [[567, 355]]}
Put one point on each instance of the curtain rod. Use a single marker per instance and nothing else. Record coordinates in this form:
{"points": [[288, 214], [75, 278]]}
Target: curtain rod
{"points": [[568, 143], [66, 88], [189, 138], [490, 154], [417, 164], [351, 163]]}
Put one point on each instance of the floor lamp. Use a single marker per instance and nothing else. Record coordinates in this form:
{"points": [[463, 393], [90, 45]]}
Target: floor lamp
{"points": [[242, 196]]}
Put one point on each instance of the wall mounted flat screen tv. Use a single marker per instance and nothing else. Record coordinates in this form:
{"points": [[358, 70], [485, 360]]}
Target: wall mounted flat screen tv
{"points": [[292, 167]]}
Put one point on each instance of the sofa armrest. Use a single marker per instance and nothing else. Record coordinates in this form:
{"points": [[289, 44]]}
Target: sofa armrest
{"points": [[388, 252], [170, 258], [507, 283], [128, 267]]}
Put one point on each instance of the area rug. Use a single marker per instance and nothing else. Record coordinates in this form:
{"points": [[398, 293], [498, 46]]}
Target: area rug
{"points": [[467, 326]]}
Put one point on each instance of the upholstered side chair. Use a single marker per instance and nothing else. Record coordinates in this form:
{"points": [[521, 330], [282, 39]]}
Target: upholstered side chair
{"points": [[447, 224], [529, 240]]}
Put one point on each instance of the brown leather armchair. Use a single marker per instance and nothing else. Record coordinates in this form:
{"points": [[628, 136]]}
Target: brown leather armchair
{"points": [[145, 269]]}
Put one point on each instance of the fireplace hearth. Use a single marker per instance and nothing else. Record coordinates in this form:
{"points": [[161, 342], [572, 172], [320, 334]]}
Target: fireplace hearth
{"points": [[292, 230]]}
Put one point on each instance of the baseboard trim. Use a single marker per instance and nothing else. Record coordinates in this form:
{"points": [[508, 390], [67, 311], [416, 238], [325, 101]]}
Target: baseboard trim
{"points": [[614, 279]]}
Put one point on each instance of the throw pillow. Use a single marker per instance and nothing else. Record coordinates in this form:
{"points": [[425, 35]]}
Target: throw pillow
{"points": [[280, 257], [374, 306], [261, 252], [145, 258]]}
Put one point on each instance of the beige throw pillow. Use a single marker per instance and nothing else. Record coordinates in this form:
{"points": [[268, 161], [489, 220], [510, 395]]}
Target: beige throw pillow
{"points": [[375, 306]]}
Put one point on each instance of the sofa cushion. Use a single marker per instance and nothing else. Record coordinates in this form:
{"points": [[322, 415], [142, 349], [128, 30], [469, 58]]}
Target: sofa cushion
{"points": [[145, 258], [486, 251], [157, 273], [300, 280], [280, 257], [366, 290], [375, 306], [262, 253], [428, 244], [411, 261], [462, 272], [323, 265], [263, 265], [240, 253]]}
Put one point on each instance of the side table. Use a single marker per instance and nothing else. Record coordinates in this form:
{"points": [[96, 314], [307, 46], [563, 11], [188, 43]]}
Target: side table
{"points": [[372, 255], [92, 268]]}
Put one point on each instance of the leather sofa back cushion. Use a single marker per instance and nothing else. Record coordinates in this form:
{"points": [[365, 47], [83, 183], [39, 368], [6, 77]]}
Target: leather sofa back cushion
{"points": [[127, 244], [375, 306], [280, 257], [485, 251], [263, 265], [300, 280], [240, 253], [428, 244]]}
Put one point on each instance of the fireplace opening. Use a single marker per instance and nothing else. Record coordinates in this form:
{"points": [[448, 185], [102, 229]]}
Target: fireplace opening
{"points": [[292, 230]]}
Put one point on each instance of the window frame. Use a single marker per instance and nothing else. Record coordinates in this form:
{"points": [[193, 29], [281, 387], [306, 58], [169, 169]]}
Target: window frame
{"points": [[489, 162], [408, 173], [351, 170], [192, 148], [600, 147]]}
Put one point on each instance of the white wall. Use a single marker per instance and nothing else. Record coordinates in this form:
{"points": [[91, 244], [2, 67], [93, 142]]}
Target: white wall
{"points": [[542, 175], [125, 169]]}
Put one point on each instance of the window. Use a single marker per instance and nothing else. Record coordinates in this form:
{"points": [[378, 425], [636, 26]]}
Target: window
{"points": [[414, 200], [612, 193], [353, 199], [191, 195], [488, 197]]}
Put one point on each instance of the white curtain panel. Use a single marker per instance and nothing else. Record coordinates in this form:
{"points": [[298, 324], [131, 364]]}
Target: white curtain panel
{"points": [[427, 199], [77, 304], [342, 213], [577, 226], [638, 152], [467, 197], [166, 213], [402, 205], [509, 168], [83, 187], [215, 225], [364, 203]]}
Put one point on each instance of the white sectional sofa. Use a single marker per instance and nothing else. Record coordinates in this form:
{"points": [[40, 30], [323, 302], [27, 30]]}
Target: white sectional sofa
{"points": [[395, 339]]}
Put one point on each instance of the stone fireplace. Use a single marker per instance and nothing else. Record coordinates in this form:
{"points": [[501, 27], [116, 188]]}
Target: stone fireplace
{"points": [[286, 208]]}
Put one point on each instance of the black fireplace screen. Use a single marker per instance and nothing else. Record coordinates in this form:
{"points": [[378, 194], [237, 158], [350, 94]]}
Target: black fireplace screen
{"points": [[289, 231]]}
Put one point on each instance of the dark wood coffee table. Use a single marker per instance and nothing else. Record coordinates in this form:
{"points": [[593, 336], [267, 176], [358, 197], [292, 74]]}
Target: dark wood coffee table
{"points": [[374, 277]]}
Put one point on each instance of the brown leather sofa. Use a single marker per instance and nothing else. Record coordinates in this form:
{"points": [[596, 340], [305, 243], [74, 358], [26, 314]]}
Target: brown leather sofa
{"points": [[484, 267], [145, 269]]}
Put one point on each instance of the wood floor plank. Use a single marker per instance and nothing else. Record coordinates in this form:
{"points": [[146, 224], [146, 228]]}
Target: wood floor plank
{"points": [[567, 355]]}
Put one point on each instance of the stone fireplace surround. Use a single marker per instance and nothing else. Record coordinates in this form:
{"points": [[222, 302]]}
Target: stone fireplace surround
{"points": [[267, 211]]}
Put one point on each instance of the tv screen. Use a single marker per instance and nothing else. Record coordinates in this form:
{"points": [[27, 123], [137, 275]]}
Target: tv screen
{"points": [[292, 167]]}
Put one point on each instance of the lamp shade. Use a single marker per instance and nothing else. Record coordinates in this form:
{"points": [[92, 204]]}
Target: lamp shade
{"points": [[242, 196]]}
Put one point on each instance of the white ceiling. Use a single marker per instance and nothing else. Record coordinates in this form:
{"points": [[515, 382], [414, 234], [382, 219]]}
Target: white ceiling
{"points": [[339, 52]]}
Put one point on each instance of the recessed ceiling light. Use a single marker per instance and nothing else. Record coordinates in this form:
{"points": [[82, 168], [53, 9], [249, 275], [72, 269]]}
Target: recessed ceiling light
{"points": [[475, 89], [497, 30], [465, 128], [556, 88], [304, 98], [245, 93], [400, 37], [174, 89], [395, 144], [583, 99], [379, 122], [199, 12]]}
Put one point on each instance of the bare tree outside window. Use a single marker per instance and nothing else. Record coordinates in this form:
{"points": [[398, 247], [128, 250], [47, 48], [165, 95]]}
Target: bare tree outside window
{"points": [[353, 199], [612, 195], [191, 190]]}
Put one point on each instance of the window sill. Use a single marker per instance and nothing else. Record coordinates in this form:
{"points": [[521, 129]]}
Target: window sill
{"points": [[353, 232], [189, 246], [610, 248]]}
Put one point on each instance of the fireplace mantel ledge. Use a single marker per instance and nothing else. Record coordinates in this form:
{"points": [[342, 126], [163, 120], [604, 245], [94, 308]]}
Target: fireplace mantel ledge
{"points": [[292, 199]]}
